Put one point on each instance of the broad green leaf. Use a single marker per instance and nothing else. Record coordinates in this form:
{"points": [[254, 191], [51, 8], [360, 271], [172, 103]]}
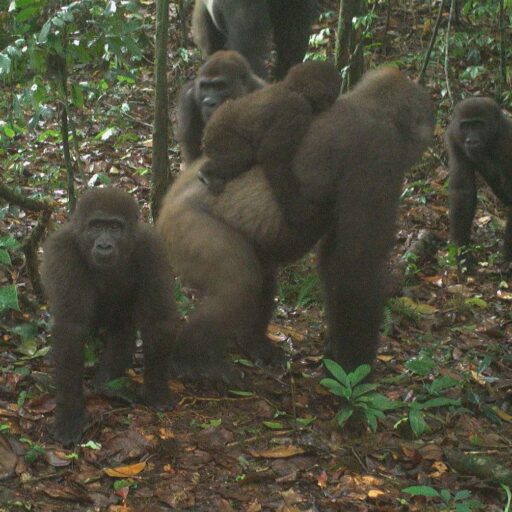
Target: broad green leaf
{"points": [[28, 347], [359, 374], [462, 495], [25, 331], [9, 242], [417, 422], [274, 425], [338, 372], [421, 490], [305, 422], [421, 365], [362, 389], [43, 35], [422, 309], [442, 383], [371, 420], [440, 401], [335, 387], [344, 415], [5, 259], [8, 298]]}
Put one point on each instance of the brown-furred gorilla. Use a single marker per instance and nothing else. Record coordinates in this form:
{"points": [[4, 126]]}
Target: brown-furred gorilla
{"points": [[106, 273], [225, 75], [349, 168], [247, 26], [479, 139], [266, 126]]}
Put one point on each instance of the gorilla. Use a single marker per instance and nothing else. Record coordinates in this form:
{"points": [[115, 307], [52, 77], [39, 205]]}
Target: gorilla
{"points": [[248, 25], [225, 75], [479, 139], [349, 170], [106, 273]]}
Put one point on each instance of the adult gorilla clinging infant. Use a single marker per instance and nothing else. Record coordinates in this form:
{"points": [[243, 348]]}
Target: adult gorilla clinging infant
{"points": [[349, 168], [267, 126], [479, 139], [248, 25], [226, 74], [104, 270]]}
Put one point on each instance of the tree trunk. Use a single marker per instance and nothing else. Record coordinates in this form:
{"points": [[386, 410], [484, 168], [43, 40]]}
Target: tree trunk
{"points": [[160, 164]]}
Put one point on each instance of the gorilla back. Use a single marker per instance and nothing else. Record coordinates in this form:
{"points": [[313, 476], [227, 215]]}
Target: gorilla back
{"points": [[350, 169]]}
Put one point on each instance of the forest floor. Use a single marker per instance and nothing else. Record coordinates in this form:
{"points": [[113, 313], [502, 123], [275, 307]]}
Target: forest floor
{"points": [[445, 355]]}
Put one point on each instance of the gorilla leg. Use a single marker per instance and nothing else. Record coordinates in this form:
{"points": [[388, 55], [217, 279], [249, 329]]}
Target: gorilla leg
{"points": [[68, 349], [224, 265], [291, 21], [206, 35], [254, 341], [354, 301], [250, 32]]}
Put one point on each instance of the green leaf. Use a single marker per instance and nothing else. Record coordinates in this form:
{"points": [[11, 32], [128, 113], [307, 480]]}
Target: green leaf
{"points": [[421, 490], [9, 132], [43, 35], [462, 495], [305, 422], [28, 347], [9, 242], [440, 401], [383, 403], [5, 259], [5, 64], [442, 383], [362, 389], [445, 495], [8, 298], [274, 425], [241, 393], [421, 365], [25, 331], [344, 415], [360, 373], [338, 372], [372, 421], [417, 421], [335, 387]]}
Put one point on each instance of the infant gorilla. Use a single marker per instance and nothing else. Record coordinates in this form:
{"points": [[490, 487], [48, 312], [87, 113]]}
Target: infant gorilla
{"points": [[267, 126]]}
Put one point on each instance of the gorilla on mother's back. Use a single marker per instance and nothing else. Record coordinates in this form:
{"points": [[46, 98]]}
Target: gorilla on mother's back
{"points": [[349, 171]]}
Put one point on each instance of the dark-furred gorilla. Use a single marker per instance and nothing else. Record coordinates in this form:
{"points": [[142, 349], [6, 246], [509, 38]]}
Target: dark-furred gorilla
{"points": [[104, 271], [479, 139], [225, 75], [247, 26], [266, 126], [349, 169]]}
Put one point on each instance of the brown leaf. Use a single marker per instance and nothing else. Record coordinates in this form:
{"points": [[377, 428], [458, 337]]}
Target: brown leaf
{"points": [[125, 471], [280, 452], [57, 458], [8, 459], [41, 404]]}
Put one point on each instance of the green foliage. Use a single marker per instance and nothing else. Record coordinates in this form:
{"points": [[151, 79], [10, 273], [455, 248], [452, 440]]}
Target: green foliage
{"points": [[459, 501], [299, 284], [359, 400]]}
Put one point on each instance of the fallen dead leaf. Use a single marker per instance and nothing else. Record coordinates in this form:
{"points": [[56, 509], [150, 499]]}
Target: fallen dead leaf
{"points": [[277, 330], [502, 414], [385, 358], [125, 471], [321, 480], [375, 493], [280, 452], [8, 459], [503, 295]]}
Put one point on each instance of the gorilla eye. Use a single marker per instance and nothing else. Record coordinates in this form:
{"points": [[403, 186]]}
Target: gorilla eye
{"points": [[116, 227]]}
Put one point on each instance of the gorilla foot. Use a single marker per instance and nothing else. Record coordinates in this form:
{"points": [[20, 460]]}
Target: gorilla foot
{"points": [[263, 351], [196, 357], [159, 397]]}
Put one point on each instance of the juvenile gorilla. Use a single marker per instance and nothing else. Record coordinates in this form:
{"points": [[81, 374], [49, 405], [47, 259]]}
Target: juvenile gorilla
{"points": [[479, 139], [266, 126], [248, 26], [105, 271], [225, 75], [349, 169]]}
